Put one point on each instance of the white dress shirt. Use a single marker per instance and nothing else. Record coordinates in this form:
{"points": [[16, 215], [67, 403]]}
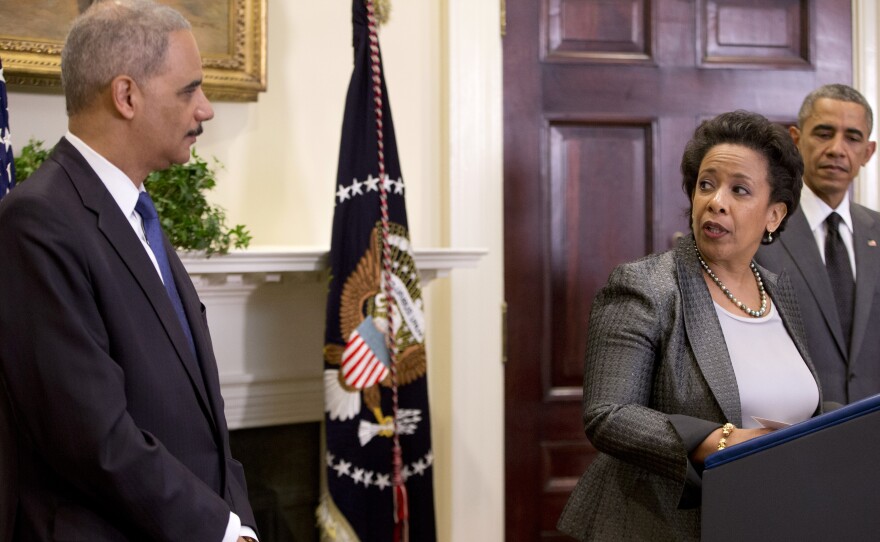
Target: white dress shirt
{"points": [[816, 211]]}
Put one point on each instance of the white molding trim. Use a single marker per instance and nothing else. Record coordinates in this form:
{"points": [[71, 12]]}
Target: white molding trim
{"points": [[264, 264], [253, 401], [865, 64], [469, 475]]}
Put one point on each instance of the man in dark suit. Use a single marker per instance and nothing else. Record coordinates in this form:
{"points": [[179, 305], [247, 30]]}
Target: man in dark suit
{"points": [[109, 381], [830, 247]]}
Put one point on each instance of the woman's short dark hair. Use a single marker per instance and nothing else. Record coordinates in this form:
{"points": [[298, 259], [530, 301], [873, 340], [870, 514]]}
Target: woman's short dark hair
{"points": [[784, 164]]}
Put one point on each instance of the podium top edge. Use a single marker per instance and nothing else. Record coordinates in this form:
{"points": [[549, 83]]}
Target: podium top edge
{"points": [[793, 432]]}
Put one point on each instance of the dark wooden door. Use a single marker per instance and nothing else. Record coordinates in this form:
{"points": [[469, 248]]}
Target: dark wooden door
{"points": [[600, 97]]}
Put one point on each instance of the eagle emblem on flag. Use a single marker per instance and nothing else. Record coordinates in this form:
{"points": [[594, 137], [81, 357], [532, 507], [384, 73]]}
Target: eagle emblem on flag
{"points": [[363, 363]]}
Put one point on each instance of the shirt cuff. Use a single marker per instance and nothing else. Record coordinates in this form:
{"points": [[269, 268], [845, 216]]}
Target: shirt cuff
{"points": [[233, 528]]}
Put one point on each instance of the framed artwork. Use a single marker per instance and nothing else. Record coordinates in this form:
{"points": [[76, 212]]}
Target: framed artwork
{"points": [[231, 35]]}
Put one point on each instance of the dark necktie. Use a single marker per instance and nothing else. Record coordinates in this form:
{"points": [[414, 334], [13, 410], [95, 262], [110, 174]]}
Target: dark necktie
{"points": [[148, 213], [840, 272]]}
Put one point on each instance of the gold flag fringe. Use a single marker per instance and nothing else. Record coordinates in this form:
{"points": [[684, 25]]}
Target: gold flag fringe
{"points": [[333, 525], [383, 10]]}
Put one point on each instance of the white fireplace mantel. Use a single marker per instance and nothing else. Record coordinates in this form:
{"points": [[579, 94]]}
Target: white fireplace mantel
{"points": [[432, 263], [266, 312]]}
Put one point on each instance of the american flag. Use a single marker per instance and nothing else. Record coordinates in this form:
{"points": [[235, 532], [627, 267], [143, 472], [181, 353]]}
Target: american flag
{"points": [[7, 165]]}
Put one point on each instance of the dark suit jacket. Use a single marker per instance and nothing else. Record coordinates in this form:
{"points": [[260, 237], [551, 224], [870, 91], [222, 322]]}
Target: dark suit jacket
{"points": [[657, 372], [845, 378], [119, 430]]}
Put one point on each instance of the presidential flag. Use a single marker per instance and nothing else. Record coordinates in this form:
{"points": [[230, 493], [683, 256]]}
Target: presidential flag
{"points": [[379, 461], [7, 164]]}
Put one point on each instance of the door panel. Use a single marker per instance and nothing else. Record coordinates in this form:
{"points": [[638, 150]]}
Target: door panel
{"points": [[589, 231]]}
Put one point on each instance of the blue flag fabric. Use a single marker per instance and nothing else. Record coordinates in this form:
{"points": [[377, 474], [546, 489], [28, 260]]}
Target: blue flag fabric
{"points": [[7, 165], [358, 396]]}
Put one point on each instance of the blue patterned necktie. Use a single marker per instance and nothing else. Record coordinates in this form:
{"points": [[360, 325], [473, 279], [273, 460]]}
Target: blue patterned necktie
{"points": [[840, 272], [148, 213]]}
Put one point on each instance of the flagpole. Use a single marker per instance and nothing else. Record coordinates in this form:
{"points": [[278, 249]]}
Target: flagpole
{"points": [[401, 508]]}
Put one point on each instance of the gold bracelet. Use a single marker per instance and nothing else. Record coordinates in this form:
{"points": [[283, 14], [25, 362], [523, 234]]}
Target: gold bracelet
{"points": [[726, 430]]}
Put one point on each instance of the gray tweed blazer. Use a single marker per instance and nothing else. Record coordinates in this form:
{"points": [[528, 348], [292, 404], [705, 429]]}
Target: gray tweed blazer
{"points": [[657, 370]]}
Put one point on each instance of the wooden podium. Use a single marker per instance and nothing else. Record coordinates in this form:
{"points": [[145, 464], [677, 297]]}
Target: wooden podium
{"points": [[816, 480]]}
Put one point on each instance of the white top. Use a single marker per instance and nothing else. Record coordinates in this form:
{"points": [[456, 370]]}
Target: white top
{"points": [[773, 379], [816, 212]]}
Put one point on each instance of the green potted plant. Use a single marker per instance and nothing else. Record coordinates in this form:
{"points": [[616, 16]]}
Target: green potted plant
{"points": [[191, 223]]}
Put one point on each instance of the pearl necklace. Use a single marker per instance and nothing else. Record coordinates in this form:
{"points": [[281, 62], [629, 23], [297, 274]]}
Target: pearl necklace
{"points": [[730, 296]]}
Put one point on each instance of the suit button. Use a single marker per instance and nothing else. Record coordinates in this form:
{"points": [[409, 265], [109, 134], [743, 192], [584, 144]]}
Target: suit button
{"points": [[852, 376]]}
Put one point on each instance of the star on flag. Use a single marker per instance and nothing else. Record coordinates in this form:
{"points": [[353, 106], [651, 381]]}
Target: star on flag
{"points": [[356, 188]]}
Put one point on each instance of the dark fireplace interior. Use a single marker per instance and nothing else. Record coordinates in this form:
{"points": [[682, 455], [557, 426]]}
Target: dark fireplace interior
{"points": [[282, 466]]}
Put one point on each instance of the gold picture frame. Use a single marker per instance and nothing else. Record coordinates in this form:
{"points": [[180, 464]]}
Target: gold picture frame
{"points": [[231, 36]]}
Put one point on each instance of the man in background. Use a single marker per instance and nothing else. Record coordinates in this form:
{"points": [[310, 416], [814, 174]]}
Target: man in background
{"points": [[109, 380], [830, 247]]}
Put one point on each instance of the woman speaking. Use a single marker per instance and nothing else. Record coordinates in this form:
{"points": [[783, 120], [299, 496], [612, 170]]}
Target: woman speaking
{"points": [[690, 348]]}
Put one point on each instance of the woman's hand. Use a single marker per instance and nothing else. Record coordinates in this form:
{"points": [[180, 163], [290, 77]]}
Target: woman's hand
{"points": [[710, 445]]}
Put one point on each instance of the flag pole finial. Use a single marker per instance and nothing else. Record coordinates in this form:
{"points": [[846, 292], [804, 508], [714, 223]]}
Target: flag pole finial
{"points": [[382, 11]]}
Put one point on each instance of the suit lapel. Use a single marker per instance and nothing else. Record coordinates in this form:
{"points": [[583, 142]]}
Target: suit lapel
{"points": [[800, 244], [704, 332], [201, 338], [117, 230], [865, 229]]}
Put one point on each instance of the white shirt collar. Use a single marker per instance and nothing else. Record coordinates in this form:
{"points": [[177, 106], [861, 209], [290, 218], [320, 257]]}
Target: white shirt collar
{"points": [[120, 186], [816, 210]]}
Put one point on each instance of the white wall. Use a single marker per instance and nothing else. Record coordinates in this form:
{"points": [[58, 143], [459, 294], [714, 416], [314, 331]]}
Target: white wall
{"points": [[443, 70]]}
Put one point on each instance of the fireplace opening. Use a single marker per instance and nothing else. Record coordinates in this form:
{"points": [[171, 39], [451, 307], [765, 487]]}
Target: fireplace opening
{"points": [[282, 465]]}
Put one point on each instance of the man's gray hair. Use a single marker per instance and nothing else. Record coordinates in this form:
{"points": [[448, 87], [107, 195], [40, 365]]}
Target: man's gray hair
{"points": [[113, 38], [842, 93]]}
